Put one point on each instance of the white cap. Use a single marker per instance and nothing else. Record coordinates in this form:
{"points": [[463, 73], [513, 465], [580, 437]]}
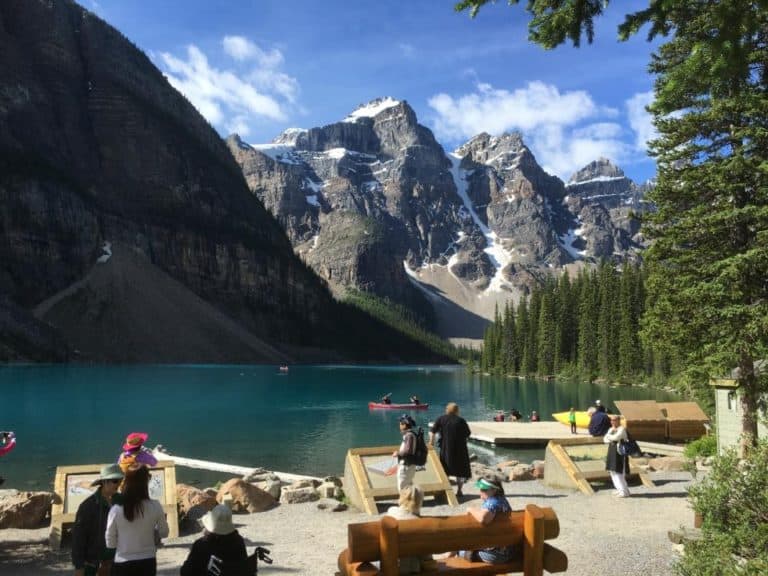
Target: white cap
{"points": [[597, 402]]}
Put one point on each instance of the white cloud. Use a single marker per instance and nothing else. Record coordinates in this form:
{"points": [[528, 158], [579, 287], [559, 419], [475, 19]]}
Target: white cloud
{"points": [[640, 119], [496, 110], [565, 130], [241, 49], [563, 152], [253, 89]]}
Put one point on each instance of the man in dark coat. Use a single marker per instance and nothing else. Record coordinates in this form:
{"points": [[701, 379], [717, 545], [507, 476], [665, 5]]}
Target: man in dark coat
{"points": [[599, 423], [454, 433], [88, 545]]}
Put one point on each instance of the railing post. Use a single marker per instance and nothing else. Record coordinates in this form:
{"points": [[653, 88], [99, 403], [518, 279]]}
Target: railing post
{"points": [[389, 546], [533, 541]]}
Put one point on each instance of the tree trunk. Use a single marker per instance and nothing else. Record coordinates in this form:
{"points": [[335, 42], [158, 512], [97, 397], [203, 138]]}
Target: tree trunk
{"points": [[748, 386]]}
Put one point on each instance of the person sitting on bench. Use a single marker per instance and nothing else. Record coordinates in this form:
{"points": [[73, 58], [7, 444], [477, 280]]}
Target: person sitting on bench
{"points": [[408, 508], [494, 502]]}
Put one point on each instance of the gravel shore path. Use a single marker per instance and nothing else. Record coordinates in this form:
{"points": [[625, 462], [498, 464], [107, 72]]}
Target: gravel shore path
{"points": [[595, 531]]}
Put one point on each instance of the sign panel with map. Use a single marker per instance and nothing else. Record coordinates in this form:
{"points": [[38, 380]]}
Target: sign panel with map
{"points": [[73, 484]]}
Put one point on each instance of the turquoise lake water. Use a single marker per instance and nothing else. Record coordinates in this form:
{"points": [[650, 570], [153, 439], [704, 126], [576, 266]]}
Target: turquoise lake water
{"points": [[302, 422]]}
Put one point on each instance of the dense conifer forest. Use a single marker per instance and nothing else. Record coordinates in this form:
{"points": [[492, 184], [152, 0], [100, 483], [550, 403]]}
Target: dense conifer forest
{"points": [[587, 326]]}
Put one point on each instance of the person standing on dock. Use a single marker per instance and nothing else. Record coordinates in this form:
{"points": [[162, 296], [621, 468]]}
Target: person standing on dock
{"points": [[599, 423], [572, 420], [454, 433]]}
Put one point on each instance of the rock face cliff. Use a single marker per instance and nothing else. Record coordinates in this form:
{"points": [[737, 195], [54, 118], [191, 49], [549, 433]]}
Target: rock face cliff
{"points": [[114, 190], [374, 203]]}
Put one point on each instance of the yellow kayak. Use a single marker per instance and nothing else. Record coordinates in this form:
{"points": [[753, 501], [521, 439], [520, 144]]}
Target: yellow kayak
{"points": [[582, 419]]}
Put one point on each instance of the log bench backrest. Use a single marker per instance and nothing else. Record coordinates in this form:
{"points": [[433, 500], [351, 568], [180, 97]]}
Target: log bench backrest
{"points": [[388, 540]]}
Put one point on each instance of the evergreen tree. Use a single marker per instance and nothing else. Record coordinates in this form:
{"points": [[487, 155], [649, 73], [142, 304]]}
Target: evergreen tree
{"points": [[588, 324], [511, 361], [546, 333], [523, 340], [708, 263]]}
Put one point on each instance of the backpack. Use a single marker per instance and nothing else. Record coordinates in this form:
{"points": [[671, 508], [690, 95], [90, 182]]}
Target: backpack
{"points": [[419, 456]]}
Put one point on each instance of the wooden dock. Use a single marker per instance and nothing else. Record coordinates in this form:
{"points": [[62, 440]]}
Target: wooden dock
{"points": [[520, 433], [540, 433]]}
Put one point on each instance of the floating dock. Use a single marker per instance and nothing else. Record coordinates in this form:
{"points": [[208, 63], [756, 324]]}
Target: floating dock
{"points": [[533, 434]]}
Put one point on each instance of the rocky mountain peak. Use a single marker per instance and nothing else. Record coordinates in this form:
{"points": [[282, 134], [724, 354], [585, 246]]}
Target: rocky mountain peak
{"points": [[494, 150], [290, 136], [375, 107], [600, 169]]}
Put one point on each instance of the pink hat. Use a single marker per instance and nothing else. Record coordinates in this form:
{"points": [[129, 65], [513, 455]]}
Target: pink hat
{"points": [[134, 440]]}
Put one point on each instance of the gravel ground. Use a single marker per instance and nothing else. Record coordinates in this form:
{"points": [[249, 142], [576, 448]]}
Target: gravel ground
{"points": [[600, 533]]}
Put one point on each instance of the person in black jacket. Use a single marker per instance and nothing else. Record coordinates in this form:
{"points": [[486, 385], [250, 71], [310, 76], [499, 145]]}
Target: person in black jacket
{"points": [[88, 545], [599, 422], [221, 550]]}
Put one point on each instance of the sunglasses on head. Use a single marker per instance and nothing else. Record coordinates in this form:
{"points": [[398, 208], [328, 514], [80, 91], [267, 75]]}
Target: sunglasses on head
{"points": [[111, 481]]}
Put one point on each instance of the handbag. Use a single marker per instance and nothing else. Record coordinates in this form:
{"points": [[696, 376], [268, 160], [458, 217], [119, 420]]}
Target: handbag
{"points": [[628, 448]]}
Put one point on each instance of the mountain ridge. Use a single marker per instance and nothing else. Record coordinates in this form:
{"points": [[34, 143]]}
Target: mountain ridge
{"points": [[487, 213]]}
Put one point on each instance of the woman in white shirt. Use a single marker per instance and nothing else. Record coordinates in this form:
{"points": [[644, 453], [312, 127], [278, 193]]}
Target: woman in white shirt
{"points": [[134, 527], [616, 463]]}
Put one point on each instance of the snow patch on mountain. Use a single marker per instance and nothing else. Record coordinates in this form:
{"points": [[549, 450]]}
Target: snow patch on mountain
{"points": [[596, 179], [567, 240], [496, 252], [282, 153], [372, 109]]}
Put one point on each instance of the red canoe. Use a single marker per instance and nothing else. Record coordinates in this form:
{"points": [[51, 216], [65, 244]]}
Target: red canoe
{"points": [[381, 406]]}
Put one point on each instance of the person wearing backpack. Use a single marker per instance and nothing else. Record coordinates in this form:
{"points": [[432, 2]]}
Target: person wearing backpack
{"points": [[454, 455], [406, 465], [221, 549]]}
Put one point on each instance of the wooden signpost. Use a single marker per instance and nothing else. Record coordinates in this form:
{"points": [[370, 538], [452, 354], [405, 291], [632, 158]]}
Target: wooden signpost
{"points": [[368, 476]]}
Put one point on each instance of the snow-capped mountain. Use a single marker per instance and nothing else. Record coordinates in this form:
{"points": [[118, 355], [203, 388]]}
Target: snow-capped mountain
{"points": [[374, 202]]}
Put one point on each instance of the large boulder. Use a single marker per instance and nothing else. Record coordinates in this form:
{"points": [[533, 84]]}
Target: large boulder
{"points": [[193, 503], [245, 497], [25, 509]]}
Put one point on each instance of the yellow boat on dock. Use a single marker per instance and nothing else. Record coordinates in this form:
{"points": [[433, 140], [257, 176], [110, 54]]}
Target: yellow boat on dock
{"points": [[582, 418]]}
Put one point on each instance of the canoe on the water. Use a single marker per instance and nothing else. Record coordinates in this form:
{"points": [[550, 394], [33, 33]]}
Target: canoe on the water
{"points": [[381, 406], [582, 419]]}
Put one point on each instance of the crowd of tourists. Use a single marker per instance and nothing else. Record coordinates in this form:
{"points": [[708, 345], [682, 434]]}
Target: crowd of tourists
{"points": [[118, 528]]}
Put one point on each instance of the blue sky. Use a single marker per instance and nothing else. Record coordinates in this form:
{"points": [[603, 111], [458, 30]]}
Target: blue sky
{"points": [[259, 67]]}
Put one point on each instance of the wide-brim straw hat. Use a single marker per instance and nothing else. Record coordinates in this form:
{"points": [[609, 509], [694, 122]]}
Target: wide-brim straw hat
{"points": [[219, 520], [109, 472]]}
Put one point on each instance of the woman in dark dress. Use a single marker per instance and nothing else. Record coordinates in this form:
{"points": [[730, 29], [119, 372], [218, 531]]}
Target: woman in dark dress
{"points": [[454, 433]]}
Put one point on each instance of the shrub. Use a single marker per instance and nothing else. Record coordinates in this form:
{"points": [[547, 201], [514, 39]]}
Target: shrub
{"points": [[733, 502], [701, 448]]}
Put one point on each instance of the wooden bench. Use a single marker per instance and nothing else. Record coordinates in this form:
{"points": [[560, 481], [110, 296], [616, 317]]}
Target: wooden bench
{"points": [[388, 539]]}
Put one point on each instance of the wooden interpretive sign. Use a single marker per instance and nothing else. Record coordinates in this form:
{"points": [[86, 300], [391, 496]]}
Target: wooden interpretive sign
{"points": [[73, 485], [576, 462], [369, 475]]}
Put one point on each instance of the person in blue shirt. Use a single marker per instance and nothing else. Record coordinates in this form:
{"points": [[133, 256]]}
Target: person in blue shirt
{"points": [[493, 502]]}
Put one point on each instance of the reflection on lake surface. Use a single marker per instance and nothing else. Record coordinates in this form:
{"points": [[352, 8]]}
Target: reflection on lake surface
{"points": [[302, 421]]}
